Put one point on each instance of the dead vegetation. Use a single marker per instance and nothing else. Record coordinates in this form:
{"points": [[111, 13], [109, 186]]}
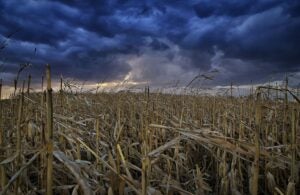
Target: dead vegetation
{"points": [[151, 143]]}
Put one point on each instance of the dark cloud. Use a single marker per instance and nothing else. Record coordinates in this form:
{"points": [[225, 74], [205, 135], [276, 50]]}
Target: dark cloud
{"points": [[233, 8], [153, 41], [158, 45]]}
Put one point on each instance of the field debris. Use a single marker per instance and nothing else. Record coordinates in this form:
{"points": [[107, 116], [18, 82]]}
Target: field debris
{"points": [[148, 143]]}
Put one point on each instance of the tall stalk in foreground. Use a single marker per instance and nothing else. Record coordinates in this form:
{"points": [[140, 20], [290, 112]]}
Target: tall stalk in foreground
{"points": [[255, 166], [2, 169], [49, 133], [18, 148], [291, 188]]}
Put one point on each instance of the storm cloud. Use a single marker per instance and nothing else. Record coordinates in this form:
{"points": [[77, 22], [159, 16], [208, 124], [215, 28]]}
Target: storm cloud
{"points": [[151, 41]]}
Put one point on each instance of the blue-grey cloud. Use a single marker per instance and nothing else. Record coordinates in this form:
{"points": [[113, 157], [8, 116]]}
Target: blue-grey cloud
{"points": [[96, 40]]}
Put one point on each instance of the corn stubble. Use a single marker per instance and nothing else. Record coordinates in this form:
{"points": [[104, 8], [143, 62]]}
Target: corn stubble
{"points": [[151, 143]]}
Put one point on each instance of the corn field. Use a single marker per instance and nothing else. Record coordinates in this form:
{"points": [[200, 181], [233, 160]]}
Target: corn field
{"points": [[149, 143]]}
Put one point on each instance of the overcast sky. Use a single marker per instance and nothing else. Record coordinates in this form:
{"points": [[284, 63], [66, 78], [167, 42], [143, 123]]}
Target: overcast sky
{"points": [[154, 41]]}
